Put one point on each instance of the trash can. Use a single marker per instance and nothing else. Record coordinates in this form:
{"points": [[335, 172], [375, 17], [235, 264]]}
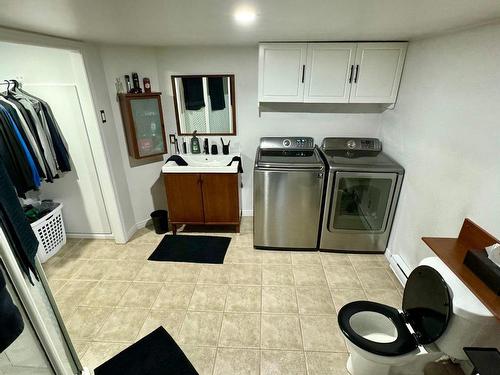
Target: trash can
{"points": [[160, 221]]}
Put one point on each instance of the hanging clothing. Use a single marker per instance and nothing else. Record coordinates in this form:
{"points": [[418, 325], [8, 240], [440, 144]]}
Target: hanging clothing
{"points": [[36, 177], [19, 234], [216, 92], [11, 320], [14, 158], [38, 136], [26, 133], [35, 108], [59, 145], [193, 93], [31, 125]]}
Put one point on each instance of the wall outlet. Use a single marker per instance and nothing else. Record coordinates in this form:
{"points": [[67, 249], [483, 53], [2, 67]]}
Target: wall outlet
{"points": [[171, 138]]}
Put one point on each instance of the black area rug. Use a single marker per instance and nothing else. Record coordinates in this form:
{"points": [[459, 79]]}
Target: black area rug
{"points": [[155, 354], [194, 249]]}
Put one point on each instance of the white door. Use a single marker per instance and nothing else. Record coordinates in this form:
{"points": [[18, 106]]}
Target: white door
{"points": [[84, 211], [377, 72], [281, 72], [329, 72]]}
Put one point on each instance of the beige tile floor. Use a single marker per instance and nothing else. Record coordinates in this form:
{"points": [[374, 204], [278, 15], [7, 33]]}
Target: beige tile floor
{"points": [[261, 312]]}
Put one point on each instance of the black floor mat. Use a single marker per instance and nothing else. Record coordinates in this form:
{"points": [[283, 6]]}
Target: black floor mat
{"points": [[195, 249], [155, 354]]}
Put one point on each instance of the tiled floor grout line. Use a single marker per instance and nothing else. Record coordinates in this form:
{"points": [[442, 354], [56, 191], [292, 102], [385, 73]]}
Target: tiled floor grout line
{"points": [[220, 330], [300, 320]]}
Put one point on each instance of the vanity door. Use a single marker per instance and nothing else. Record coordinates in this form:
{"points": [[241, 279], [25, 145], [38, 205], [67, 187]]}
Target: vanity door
{"points": [[184, 198], [221, 198]]}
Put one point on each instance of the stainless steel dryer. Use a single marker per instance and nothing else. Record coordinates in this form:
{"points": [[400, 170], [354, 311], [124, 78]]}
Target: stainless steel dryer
{"points": [[288, 187], [362, 192]]}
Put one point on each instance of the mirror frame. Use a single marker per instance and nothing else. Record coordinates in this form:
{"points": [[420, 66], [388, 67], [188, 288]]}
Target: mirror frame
{"points": [[233, 102]]}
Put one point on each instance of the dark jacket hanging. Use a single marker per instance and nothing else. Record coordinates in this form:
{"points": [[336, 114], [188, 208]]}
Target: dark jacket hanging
{"points": [[24, 146], [12, 112], [14, 158], [193, 93], [216, 92], [19, 234], [57, 140], [11, 320], [31, 123]]}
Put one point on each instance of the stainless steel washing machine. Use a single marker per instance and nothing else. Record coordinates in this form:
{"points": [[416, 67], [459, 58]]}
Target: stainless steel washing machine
{"points": [[361, 196], [288, 188]]}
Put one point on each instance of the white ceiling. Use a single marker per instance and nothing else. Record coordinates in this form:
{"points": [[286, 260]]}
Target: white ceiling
{"points": [[198, 22]]}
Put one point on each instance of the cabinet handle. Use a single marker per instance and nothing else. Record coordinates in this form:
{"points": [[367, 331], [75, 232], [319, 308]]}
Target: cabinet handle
{"points": [[303, 72], [350, 75], [357, 74]]}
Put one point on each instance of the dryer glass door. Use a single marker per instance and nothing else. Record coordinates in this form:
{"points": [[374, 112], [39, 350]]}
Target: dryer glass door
{"points": [[361, 201]]}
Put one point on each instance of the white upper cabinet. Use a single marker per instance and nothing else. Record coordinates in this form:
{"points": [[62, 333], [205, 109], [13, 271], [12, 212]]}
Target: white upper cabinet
{"points": [[329, 70], [377, 72], [281, 72]]}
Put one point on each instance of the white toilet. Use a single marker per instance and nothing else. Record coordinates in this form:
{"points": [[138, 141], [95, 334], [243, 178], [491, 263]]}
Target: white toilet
{"points": [[440, 316]]}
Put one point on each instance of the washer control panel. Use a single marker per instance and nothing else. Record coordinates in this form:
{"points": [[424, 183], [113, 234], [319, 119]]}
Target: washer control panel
{"points": [[294, 143]]}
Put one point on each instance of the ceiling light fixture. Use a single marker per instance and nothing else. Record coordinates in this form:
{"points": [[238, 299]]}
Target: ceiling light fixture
{"points": [[245, 15]]}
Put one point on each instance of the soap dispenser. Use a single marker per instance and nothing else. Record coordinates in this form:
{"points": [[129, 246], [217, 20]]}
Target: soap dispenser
{"points": [[195, 144]]}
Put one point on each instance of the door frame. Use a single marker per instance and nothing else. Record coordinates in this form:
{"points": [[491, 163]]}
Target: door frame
{"points": [[24, 292], [92, 81]]}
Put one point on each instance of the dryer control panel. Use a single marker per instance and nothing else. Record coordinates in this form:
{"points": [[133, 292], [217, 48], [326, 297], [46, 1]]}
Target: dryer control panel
{"points": [[364, 144]]}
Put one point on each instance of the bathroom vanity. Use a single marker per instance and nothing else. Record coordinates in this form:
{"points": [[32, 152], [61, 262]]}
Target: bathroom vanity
{"points": [[204, 192]]}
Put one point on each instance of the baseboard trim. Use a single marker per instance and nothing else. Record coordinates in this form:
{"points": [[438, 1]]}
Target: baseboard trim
{"points": [[98, 236], [398, 266], [142, 224], [130, 232]]}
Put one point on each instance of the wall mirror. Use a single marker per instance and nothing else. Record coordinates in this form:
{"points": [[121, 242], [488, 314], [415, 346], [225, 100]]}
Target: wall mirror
{"points": [[204, 103]]}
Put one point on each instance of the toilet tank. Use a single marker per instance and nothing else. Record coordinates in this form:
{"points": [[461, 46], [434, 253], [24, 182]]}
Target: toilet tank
{"points": [[471, 323]]}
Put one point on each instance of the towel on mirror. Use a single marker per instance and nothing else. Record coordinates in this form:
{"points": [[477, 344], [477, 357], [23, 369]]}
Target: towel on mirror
{"points": [[216, 92], [193, 93]]}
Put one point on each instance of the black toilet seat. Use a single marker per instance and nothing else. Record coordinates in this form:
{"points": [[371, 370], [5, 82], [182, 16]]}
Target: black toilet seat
{"points": [[404, 343]]}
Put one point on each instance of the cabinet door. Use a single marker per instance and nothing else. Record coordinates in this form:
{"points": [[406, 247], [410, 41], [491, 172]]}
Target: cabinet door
{"points": [[377, 72], [184, 198], [281, 72], [148, 126], [221, 198], [329, 70]]}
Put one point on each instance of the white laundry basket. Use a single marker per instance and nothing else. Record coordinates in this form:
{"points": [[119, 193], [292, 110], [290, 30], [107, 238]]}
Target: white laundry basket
{"points": [[49, 230]]}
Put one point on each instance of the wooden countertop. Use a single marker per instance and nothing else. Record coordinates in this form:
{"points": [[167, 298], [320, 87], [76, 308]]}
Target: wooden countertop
{"points": [[452, 252]]}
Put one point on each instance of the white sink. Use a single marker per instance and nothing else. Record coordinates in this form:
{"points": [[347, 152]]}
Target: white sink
{"points": [[202, 163]]}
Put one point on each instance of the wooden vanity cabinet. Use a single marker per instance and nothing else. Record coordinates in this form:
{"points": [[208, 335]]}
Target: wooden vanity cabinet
{"points": [[203, 198]]}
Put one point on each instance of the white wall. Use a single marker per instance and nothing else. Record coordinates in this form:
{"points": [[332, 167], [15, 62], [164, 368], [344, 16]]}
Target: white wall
{"points": [[242, 61], [445, 131], [143, 178]]}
